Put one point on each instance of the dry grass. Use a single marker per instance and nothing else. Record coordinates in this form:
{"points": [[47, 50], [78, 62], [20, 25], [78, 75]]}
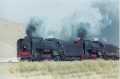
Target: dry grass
{"points": [[87, 69]]}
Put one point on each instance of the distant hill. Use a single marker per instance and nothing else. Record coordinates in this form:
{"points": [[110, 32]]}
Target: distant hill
{"points": [[9, 33]]}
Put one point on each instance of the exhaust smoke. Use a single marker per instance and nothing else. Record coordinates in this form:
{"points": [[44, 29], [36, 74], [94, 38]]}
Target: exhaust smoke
{"points": [[68, 21]]}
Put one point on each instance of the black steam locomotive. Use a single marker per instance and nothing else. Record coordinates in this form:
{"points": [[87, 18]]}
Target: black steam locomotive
{"points": [[37, 49]]}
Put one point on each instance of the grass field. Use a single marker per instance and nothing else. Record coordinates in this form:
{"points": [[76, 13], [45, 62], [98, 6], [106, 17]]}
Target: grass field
{"points": [[86, 69]]}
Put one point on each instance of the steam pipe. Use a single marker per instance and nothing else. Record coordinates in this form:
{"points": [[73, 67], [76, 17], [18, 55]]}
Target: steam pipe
{"points": [[84, 47]]}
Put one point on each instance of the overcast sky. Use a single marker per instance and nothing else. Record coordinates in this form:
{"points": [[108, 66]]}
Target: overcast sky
{"points": [[54, 10], [22, 10]]}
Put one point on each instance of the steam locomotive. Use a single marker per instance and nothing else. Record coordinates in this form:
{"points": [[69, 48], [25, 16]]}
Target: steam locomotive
{"points": [[38, 49]]}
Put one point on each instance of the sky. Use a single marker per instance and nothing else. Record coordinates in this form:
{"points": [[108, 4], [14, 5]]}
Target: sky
{"points": [[56, 13], [22, 10]]}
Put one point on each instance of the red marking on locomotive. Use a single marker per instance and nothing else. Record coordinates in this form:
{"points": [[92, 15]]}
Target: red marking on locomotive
{"points": [[93, 56], [24, 54]]}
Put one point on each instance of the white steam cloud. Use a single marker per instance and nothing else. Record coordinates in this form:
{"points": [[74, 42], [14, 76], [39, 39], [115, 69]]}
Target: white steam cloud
{"points": [[65, 19]]}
